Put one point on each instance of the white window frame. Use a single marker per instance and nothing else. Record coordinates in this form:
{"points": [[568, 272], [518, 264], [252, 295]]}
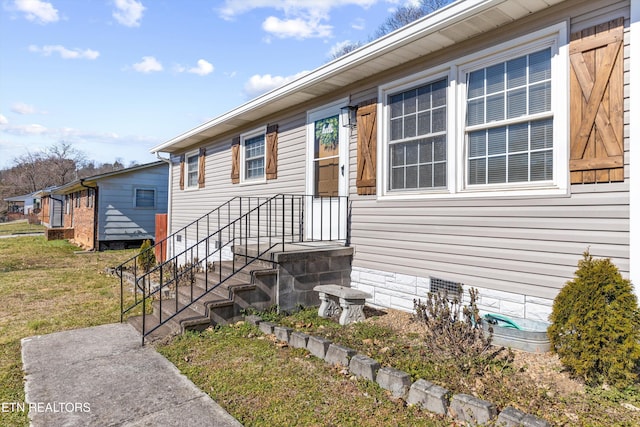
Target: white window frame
{"points": [[555, 37], [187, 156], [135, 197], [262, 131]]}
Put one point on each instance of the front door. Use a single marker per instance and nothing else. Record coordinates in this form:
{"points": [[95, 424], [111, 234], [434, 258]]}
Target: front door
{"points": [[327, 174]]}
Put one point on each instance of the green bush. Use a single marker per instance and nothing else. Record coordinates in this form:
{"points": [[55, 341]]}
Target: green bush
{"points": [[146, 256], [595, 324]]}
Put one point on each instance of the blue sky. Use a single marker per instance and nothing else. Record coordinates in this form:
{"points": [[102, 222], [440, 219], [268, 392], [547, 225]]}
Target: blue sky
{"points": [[117, 77]]}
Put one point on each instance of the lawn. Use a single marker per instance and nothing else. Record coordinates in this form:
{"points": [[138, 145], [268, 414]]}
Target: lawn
{"points": [[19, 227], [45, 287], [49, 286]]}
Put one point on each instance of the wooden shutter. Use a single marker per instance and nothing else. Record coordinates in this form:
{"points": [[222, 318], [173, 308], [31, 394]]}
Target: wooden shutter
{"points": [[235, 160], [597, 97], [272, 152], [367, 136], [201, 159], [182, 172]]}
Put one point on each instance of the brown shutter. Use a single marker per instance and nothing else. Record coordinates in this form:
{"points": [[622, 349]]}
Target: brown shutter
{"points": [[596, 97], [235, 160], [182, 172], [201, 159], [272, 152], [367, 135]]}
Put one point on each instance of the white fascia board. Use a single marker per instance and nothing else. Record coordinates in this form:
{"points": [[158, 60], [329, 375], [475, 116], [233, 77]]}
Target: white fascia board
{"points": [[634, 141], [434, 22]]}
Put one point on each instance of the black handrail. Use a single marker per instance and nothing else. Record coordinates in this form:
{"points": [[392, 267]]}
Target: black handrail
{"points": [[263, 223]]}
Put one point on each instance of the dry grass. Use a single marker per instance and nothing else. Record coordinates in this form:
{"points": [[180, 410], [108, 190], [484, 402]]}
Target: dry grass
{"points": [[45, 287], [20, 227]]}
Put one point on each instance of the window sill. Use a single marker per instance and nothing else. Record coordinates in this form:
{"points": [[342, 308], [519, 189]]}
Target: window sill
{"points": [[477, 193]]}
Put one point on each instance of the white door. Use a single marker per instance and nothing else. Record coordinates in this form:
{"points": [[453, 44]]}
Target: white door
{"points": [[327, 174]]}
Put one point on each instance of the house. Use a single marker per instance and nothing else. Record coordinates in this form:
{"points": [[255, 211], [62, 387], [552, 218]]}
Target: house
{"points": [[52, 208], [113, 210], [487, 144], [26, 206]]}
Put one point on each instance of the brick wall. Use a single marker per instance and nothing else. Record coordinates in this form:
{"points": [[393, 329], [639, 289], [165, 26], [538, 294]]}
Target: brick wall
{"points": [[83, 219]]}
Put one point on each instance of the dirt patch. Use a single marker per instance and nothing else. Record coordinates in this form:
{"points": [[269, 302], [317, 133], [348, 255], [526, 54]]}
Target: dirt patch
{"points": [[544, 369]]}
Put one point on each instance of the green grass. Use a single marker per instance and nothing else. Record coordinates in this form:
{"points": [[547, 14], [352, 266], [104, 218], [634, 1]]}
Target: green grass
{"points": [[19, 227], [263, 384], [45, 288]]}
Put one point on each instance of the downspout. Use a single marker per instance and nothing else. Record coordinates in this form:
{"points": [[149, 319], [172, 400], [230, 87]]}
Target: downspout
{"points": [[95, 212], [634, 149]]}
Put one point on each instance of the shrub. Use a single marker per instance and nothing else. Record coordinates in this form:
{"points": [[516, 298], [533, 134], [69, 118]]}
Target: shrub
{"points": [[595, 324], [454, 330], [146, 256]]}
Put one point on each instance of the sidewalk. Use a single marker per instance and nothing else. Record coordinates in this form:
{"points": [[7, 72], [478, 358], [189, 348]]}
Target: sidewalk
{"points": [[102, 376]]}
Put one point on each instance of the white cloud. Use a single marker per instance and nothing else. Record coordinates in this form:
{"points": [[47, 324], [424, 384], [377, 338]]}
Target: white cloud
{"points": [[22, 108], [358, 24], [3, 120], [38, 11], [203, 68], [128, 12], [297, 28], [65, 53], [233, 8], [302, 19], [257, 84], [148, 64]]}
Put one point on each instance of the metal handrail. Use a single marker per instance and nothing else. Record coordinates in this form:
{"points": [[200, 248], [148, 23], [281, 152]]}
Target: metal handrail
{"points": [[280, 219]]}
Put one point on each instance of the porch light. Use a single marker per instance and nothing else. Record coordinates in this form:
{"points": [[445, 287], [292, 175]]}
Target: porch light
{"points": [[349, 117]]}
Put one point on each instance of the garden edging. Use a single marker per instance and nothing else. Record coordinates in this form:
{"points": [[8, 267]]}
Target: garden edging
{"points": [[427, 395]]}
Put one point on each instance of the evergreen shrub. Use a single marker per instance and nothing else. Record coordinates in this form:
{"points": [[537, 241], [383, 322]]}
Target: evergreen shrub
{"points": [[146, 256], [595, 324]]}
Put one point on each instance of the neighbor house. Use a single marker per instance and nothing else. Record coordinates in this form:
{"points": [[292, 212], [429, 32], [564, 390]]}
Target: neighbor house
{"points": [[52, 208], [487, 144], [26, 206], [114, 210]]}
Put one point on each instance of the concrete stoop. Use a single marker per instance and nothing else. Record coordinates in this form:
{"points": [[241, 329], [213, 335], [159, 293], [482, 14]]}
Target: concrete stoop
{"points": [[260, 286], [428, 396]]}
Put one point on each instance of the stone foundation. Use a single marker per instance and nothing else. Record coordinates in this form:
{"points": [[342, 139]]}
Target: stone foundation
{"points": [[395, 290]]}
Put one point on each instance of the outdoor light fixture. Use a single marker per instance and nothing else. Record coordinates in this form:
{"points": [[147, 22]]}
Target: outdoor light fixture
{"points": [[349, 117]]}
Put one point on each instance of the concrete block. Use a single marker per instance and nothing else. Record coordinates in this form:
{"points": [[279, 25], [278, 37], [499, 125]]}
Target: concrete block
{"points": [[363, 366], [318, 346], [429, 396], [510, 417], [537, 311], [298, 340], [531, 421], [253, 319], [512, 309], [471, 409], [394, 380], [282, 333], [337, 354], [266, 327]]}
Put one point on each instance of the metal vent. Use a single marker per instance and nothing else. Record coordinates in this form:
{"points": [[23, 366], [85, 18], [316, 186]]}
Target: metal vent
{"points": [[448, 287]]}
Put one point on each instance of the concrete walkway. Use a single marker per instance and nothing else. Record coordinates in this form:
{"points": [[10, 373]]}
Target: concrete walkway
{"points": [[102, 376]]}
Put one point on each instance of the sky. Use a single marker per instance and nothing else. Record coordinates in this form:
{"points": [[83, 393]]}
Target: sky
{"points": [[114, 78]]}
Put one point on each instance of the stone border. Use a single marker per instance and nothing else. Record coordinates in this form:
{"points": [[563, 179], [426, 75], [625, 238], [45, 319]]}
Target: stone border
{"points": [[427, 395]]}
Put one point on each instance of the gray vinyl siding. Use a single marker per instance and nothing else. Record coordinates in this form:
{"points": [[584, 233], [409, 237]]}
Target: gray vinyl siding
{"points": [[118, 218], [526, 246], [521, 245], [190, 204]]}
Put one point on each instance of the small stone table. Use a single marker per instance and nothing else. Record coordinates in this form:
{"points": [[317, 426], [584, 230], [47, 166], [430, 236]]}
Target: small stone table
{"points": [[350, 300]]}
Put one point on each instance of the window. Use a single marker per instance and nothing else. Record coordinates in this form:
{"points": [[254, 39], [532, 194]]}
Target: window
{"points": [[418, 140], [491, 123], [509, 127], [192, 170], [253, 156], [145, 198]]}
